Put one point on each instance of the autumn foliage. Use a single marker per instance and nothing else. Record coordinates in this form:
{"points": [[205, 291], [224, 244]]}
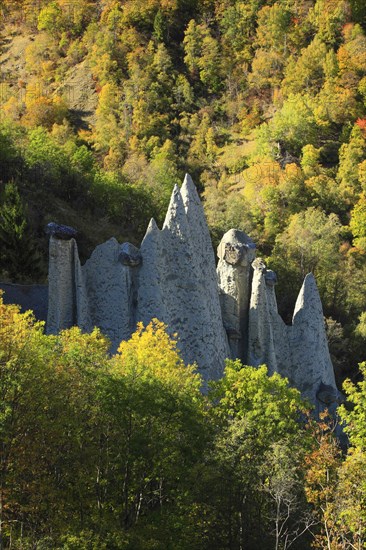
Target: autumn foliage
{"points": [[125, 452]]}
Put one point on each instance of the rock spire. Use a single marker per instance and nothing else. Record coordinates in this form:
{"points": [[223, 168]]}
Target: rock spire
{"points": [[228, 312]]}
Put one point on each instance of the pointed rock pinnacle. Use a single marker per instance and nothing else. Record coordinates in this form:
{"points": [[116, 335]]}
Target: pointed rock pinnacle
{"points": [[308, 299], [176, 219], [189, 193]]}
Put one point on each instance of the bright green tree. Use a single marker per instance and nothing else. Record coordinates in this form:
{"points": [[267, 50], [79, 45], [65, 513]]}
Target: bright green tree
{"points": [[358, 223], [202, 55], [155, 410], [294, 124], [256, 413], [351, 154], [352, 479], [310, 243]]}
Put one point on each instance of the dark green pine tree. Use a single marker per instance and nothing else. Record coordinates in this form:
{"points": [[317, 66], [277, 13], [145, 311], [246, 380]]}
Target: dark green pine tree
{"points": [[19, 256], [160, 26]]}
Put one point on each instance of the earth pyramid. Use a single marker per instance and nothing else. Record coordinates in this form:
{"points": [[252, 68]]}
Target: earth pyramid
{"points": [[218, 313]]}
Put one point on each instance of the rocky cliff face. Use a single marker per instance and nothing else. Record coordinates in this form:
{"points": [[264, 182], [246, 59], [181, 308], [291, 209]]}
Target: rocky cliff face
{"points": [[231, 312]]}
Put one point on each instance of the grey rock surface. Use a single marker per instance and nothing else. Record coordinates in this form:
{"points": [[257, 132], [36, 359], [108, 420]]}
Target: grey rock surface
{"points": [[129, 255], [280, 331], [66, 293], [110, 292], [178, 285], [261, 344], [328, 394], [214, 346], [298, 352], [236, 252], [311, 361], [151, 277]]}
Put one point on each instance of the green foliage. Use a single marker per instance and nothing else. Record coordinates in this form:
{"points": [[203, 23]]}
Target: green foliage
{"points": [[124, 204], [159, 26], [273, 24], [355, 418], [265, 103], [350, 156], [90, 444], [202, 55], [352, 481], [50, 18], [223, 90], [307, 72], [329, 16], [269, 407], [358, 224], [125, 452], [294, 124], [310, 243], [361, 327], [259, 418], [19, 257]]}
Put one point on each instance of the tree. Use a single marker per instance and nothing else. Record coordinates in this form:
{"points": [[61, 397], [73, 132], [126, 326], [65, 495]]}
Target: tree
{"points": [[267, 68], [310, 243], [45, 111], [352, 479], [307, 72], [283, 482], [361, 327], [355, 418], [255, 413], [18, 335], [273, 26], [358, 223], [161, 175], [325, 194], [351, 154], [19, 257], [155, 411], [272, 195], [321, 480], [10, 161], [310, 161], [294, 124], [237, 26], [89, 443], [358, 11], [50, 18], [107, 118], [202, 55], [329, 16], [159, 26], [352, 55], [351, 499], [203, 147]]}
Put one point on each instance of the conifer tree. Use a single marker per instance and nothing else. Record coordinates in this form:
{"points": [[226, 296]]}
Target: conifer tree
{"points": [[18, 254]]}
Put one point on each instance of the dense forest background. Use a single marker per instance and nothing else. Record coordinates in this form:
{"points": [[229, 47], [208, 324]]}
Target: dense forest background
{"points": [[105, 104]]}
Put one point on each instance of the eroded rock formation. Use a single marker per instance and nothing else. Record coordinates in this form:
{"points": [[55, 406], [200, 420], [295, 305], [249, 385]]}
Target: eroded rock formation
{"points": [[172, 277], [231, 312], [236, 253]]}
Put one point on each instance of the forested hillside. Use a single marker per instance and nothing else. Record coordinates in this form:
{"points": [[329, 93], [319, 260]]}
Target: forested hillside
{"points": [[105, 104]]}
